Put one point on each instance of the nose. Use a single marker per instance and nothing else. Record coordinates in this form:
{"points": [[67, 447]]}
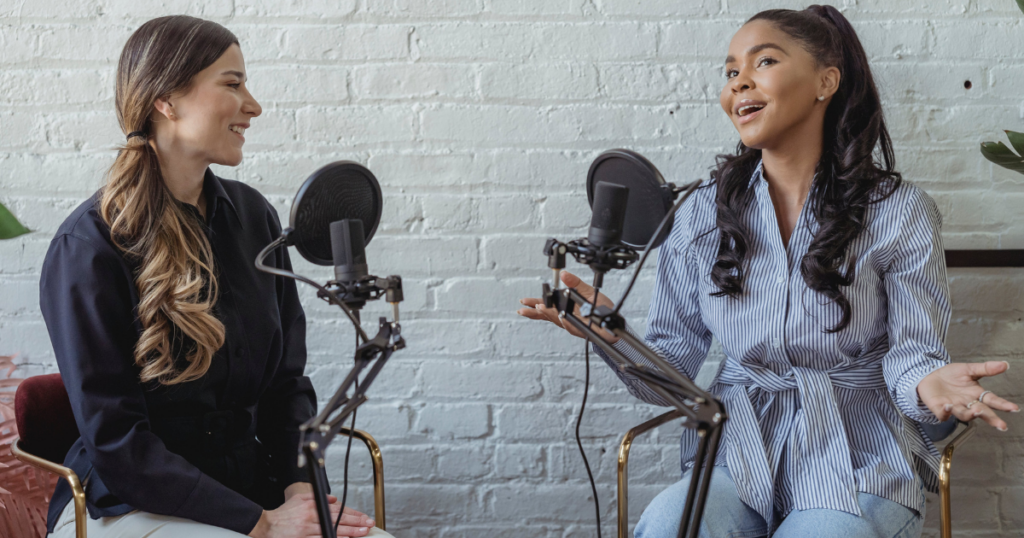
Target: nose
{"points": [[741, 81], [251, 106]]}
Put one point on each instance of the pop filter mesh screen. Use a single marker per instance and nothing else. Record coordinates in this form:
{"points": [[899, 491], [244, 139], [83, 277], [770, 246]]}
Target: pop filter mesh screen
{"points": [[648, 200], [342, 190]]}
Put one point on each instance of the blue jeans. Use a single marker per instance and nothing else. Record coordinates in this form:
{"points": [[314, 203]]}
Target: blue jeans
{"points": [[725, 516]]}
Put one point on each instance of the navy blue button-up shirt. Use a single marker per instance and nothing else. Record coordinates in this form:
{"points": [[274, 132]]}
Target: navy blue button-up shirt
{"points": [[217, 450]]}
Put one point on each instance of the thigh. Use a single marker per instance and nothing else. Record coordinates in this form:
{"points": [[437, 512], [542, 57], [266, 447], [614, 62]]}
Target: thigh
{"points": [[135, 524], [725, 515], [880, 518]]}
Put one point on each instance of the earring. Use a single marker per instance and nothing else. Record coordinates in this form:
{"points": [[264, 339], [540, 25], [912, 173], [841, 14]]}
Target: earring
{"points": [[821, 97]]}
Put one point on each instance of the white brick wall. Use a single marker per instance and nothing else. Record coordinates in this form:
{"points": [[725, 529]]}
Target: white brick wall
{"points": [[480, 118]]}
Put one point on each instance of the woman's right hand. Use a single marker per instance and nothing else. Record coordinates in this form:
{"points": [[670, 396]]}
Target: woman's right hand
{"points": [[535, 309], [297, 518]]}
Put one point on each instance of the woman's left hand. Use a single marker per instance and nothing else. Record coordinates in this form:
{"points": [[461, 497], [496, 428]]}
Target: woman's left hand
{"points": [[353, 520], [950, 389]]}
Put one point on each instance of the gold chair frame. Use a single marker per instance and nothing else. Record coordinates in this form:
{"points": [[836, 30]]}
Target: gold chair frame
{"points": [[627, 443], [378, 474], [78, 491]]}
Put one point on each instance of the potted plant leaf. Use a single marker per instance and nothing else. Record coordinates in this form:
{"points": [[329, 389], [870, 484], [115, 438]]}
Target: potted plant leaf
{"points": [[998, 153], [9, 225]]}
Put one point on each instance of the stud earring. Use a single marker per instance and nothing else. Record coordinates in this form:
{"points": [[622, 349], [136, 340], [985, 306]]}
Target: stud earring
{"points": [[821, 97]]}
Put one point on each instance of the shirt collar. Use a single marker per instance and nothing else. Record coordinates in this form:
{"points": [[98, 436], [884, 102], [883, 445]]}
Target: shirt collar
{"points": [[758, 173], [215, 194]]}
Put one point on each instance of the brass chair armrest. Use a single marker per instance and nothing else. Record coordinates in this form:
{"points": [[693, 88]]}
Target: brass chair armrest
{"points": [[77, 491], [378, 473], [946, 515], [623, 471]]}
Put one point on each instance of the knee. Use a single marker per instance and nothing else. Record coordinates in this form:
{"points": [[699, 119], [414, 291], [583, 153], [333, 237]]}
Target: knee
{"points": [[661, 518]]}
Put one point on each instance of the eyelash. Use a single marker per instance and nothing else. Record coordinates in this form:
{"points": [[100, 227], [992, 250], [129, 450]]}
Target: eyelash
{"points": [[730, 73], [236, 85]]}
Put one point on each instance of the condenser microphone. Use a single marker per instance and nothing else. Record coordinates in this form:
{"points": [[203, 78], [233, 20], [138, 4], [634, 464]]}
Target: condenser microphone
{"points": [[348, 248], [609, 214]]}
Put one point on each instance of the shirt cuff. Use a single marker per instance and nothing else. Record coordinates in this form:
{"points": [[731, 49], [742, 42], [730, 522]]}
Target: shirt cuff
{"points": [[209, 503], [912, 404]]}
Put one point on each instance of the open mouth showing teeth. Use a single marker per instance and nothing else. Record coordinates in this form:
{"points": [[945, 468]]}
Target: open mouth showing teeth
{"points": [[743, 111], [237, 129]]}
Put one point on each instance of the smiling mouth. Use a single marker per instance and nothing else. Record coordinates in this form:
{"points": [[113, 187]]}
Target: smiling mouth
{"points": [[749, 109], [237, 129]]}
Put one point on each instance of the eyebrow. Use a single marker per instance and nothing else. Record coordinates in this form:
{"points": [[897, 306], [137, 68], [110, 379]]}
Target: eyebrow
{"points": [[758, 48], [238, 74]]}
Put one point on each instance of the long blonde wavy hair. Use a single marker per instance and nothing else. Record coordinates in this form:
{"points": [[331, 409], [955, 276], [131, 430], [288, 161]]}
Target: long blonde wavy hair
{"points": [[175, 278]]}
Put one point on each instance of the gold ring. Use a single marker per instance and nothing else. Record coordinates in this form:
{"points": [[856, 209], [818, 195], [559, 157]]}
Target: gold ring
{"points": [[971, 403]]}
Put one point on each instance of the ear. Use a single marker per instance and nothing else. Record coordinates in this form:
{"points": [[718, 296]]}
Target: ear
{"points": [[828, 83], [163, 106]]}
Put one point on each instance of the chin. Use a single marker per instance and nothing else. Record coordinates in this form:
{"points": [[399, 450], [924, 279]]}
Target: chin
{"points": [[231, 160]]}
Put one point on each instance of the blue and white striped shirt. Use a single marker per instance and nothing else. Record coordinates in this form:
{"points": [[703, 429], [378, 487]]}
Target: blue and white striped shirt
{"points": [[814, 417]]}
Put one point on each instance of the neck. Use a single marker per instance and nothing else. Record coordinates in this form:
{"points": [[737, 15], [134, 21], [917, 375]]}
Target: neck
{"points": [[183, 174], [789, 167]]}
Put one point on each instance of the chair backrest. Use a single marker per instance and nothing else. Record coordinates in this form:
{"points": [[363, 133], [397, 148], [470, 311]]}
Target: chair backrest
{"points": [[940, 431], [46, 425]]}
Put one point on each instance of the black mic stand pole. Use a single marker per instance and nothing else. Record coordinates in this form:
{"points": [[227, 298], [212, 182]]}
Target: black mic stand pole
{"points": [[321, 430], [318, 432], [700, 410]]}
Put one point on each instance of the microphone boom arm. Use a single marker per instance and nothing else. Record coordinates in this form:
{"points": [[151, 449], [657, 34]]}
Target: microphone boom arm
{"points": [[700, 410], [320, 431]]}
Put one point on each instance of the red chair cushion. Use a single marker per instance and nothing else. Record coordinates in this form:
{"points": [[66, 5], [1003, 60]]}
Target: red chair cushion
{"points": [[43, 414]]}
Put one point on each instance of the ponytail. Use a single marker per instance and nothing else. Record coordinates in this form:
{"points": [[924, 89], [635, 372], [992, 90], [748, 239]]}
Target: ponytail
{"points": [[175, 275]]}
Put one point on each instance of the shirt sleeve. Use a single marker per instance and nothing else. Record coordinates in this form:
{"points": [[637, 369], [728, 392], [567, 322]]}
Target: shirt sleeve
{"points": [[919, 306], [86, 304], [289, 400], [675, 329]]}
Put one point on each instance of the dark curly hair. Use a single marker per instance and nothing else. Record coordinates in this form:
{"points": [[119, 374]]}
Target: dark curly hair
{"points": [[848, 176]]}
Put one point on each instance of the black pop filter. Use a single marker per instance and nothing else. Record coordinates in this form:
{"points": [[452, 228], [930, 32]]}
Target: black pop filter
{"points": [[649, 197], [341, 190]]}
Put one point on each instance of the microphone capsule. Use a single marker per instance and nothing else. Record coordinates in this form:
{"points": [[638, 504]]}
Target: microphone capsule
{"points": [[609, 215], [348, 248]]}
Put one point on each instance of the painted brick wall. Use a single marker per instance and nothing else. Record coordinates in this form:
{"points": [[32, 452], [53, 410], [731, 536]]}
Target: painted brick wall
{"points": [[480, 118]]}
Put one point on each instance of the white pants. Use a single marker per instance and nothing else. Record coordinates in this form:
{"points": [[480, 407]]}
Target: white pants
{"points": [[139, 524]]}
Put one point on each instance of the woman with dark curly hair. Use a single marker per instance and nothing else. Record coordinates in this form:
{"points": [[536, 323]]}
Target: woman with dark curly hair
{"points": [[822, 274]]}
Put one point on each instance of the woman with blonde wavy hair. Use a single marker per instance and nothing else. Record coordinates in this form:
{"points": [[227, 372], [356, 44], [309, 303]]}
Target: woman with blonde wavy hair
{"points": [[184, 365]]}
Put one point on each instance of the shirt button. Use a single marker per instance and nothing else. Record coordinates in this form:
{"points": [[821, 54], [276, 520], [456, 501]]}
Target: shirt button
{"points": [[776, 343], [780, 279]]}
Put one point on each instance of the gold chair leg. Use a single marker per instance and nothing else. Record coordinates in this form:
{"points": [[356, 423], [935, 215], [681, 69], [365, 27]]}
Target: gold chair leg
{"points": [[946, 515], [378, 474], [623, 472], [78, 492]]}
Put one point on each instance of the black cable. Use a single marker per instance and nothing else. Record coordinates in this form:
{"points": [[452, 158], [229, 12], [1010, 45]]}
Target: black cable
{"points": [[288, 274], [579, 418], [348, 450], [688, 190]]}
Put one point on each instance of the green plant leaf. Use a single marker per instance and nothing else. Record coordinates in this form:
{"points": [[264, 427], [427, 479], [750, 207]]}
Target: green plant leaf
{"points": [[1020, 4], [9, 226], [998, 153], [1016, 139]]}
